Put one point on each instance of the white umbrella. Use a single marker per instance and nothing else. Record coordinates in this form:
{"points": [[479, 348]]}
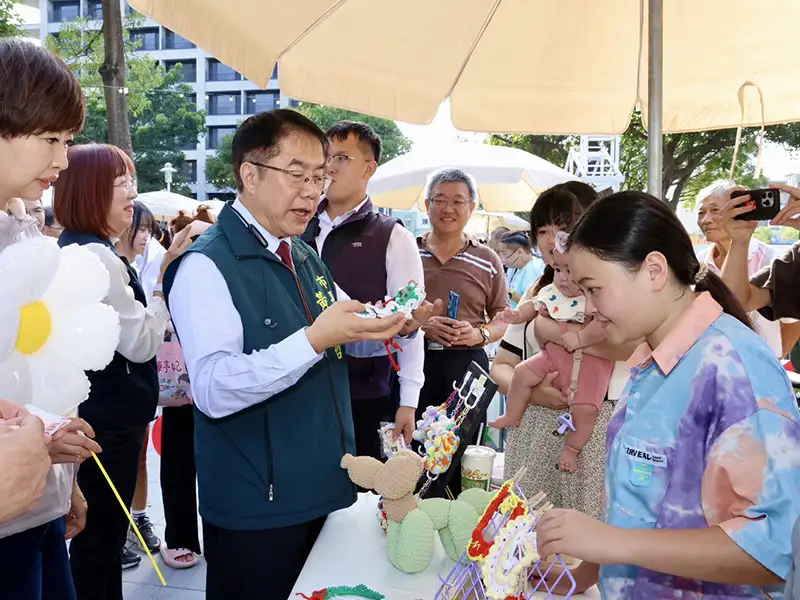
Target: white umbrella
{"points": [[508, 179], [483, 222], [166, 204], [215, 205]]}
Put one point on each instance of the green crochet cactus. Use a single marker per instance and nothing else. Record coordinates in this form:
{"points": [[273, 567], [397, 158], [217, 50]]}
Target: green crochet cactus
{"points": [[412, 523]]}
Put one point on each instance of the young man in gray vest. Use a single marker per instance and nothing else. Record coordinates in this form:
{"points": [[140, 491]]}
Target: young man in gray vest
{"points": [[353, 240], [262, 326]]}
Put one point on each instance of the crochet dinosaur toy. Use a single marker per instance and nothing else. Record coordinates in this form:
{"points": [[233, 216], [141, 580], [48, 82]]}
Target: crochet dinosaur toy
{"points": [[414, 523]]}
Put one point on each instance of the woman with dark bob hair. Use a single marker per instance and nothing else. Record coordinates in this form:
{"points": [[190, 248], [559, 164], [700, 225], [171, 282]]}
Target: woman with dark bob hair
{"points": [[94, 204], [41, 108]]}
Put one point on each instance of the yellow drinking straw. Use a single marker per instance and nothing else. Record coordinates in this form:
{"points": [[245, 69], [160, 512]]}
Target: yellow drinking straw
{"points": [[130, 518]]}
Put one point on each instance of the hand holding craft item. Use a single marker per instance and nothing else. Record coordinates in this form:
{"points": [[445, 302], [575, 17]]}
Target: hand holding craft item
{"points": [[405, 301], [55, 325], [502, 561]]}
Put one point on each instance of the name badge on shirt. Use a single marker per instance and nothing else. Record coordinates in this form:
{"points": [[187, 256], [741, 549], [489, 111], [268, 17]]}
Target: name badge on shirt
{"points": [[641, 474], [645, 457]]}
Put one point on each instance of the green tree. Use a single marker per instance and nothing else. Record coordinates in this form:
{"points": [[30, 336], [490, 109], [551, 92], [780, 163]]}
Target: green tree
{"points": [[691, 160], [394, 142], [786, 235], [163, 118], [552, 148], [763, 234], [218, 167], [9, 19]]}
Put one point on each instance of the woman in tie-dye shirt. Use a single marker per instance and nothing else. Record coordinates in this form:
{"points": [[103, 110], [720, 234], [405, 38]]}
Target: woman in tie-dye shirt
{"points": [[703, 455]]}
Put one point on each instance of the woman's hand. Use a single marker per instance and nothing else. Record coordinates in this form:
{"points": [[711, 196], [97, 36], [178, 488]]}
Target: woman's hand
{"points": [[73, 443], [573, 533], [76, 517], [738, 230], [546, 395], [178, 246], [789, 216]]}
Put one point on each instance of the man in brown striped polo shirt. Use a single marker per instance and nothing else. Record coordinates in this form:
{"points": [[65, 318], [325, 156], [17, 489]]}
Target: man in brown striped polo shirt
{"points": [[453, 261]]}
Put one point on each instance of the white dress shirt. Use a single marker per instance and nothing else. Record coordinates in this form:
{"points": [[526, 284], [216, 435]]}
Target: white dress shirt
{"points": [[403, 264], [224, 380], [141, 329]]}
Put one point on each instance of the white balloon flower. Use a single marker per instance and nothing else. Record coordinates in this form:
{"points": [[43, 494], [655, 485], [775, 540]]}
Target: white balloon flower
{"points": [[53, 324]]}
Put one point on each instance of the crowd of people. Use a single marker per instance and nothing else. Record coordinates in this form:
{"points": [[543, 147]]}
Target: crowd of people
{"points": [[679, 474]]}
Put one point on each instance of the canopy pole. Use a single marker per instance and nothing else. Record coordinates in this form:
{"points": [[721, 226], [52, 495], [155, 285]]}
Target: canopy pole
{"points": [[655, 112]]}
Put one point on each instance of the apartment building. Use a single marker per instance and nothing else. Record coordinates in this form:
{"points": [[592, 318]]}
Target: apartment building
{"points": [[225, 94]]}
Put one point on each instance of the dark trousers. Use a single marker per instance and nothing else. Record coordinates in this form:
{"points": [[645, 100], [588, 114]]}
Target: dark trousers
{"points": [[34, 564], [263, 564], [367, 417], [442, 368], [179, 478], [95, 552]]}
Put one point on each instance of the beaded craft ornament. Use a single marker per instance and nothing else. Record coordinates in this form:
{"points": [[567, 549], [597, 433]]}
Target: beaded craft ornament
{"points": [[405, 301]]}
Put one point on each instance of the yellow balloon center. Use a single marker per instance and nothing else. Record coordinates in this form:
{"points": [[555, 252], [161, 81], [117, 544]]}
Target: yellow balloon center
{"points": [[35, 325]]}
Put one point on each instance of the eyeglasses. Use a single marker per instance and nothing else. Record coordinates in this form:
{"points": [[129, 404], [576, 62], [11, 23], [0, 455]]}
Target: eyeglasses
{"points": [[441, 202], [297, 177], [128, 186], [340, 160]]}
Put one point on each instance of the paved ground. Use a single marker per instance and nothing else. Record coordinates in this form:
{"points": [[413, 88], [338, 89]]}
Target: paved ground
{"points": [[141, 583]]}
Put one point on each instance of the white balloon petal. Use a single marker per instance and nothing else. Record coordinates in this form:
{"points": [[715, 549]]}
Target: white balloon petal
{"points": [[15, 379], [28, 267], [81, 279], [85, 336], [9, 323], [57, 386]]}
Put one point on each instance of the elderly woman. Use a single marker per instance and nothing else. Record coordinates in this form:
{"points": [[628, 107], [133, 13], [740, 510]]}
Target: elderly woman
{"points": [[524, 269], [781, 335]]}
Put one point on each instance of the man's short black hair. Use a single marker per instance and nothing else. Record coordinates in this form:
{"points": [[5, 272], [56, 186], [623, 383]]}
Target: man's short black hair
{"points": [[362, 132], [262, 133]]}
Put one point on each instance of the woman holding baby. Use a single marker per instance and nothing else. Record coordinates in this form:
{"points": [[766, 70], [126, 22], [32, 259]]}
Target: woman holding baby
{"points": [[568, 470]]}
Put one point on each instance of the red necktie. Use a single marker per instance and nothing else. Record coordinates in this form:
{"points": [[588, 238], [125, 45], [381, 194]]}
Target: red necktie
{"points": [[285, 254]]}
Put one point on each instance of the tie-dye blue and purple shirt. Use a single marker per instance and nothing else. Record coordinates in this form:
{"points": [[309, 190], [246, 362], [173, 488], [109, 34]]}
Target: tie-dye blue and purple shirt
{"points": [[707, 433]]}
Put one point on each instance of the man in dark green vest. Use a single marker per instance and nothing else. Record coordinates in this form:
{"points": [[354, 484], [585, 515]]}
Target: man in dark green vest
{"points": [[263, 328]]}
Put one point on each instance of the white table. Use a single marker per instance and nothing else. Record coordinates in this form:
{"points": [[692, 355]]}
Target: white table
{"points": [[351, 549]]}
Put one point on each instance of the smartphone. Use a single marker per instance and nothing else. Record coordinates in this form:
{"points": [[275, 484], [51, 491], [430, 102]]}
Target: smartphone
{"points": [[768, 204], [452, 305]]}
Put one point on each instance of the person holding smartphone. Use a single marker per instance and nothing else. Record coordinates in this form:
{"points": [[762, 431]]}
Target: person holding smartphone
{"points": [[774, 291]]}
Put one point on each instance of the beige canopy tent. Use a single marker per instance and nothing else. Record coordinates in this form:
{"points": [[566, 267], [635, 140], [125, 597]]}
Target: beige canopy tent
{"points": [[533, 66]]}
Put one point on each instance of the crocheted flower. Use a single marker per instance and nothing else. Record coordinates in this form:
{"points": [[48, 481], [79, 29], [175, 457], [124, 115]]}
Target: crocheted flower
{"points": [[54, 324]]}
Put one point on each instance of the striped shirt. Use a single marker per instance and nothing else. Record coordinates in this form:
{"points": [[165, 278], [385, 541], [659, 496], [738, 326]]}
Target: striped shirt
{"points": [[475, 273]]}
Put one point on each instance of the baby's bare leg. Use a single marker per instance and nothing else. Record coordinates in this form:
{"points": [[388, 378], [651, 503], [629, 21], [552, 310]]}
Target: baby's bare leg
{"points": [[519, 392], [583, 418]]}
